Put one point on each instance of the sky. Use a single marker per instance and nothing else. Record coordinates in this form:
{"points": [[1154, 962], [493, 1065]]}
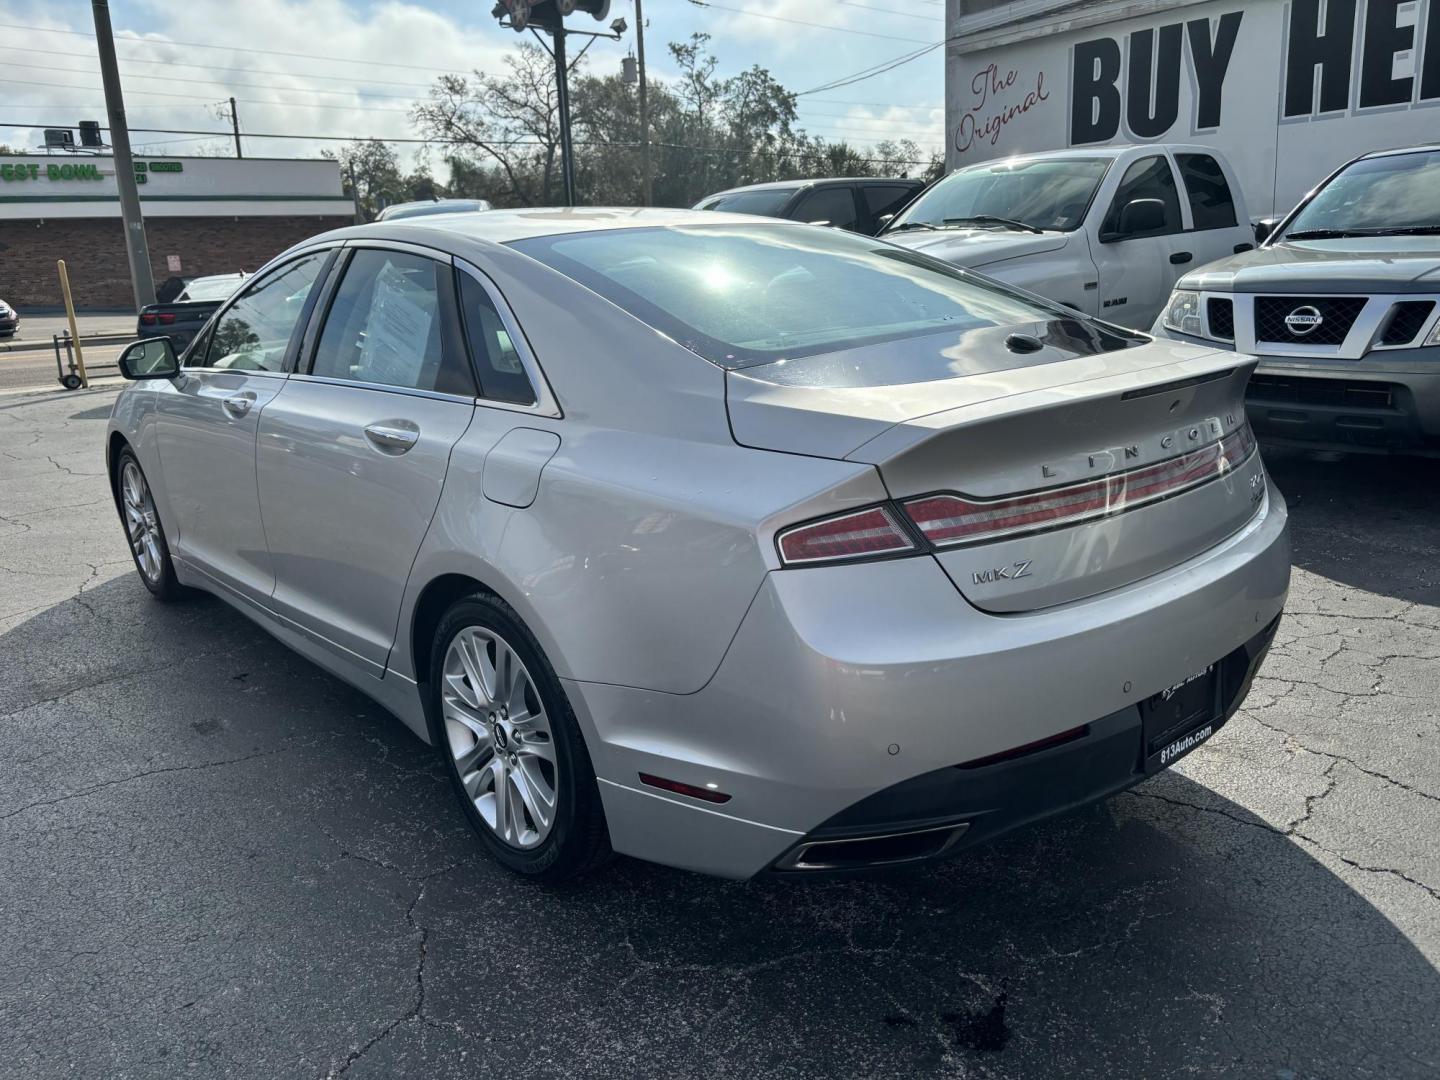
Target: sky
{"points": [[352, 68]]}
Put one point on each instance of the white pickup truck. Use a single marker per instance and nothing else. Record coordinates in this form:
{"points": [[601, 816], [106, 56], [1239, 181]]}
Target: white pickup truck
{"points": [[1107, 230]]}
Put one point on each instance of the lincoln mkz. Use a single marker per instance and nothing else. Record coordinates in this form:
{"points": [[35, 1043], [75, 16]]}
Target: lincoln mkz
{"points": [[735, 544]]}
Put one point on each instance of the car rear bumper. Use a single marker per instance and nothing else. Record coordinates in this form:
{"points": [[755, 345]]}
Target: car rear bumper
{"points": [[1368, 406], [849, 689]]}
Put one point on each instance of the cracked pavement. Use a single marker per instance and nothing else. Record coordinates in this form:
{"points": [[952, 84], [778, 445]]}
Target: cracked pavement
{"points": [[216, 860]]}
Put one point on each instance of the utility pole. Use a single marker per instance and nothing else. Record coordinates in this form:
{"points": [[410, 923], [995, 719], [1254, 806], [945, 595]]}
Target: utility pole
{"points": [[645, 196], [136, 249], [235, 126]]}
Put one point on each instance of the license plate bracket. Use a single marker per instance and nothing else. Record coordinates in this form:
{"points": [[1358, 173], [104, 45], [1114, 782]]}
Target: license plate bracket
{"points": [[1179, 718]]}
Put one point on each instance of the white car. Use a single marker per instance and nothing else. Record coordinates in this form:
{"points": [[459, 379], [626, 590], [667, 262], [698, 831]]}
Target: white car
{"points": [[1107, 231]]}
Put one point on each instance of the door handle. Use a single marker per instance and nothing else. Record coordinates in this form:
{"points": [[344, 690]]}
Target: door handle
{"points": [[238, 405], [1180, 258], [391, 438]]}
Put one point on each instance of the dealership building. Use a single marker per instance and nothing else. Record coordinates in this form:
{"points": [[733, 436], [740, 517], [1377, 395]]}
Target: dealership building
{"points": [[202, 216], [1287, 89]]}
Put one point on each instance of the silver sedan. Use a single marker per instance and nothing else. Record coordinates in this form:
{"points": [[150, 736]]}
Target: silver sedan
{"points": [[740, 545]]}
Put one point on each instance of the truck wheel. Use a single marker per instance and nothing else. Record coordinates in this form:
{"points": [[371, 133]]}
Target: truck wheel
{"points": [[71, 382]]}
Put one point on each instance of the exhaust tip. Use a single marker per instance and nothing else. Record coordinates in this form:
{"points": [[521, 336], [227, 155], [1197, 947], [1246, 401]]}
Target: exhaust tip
{"points": [[863, 852]]}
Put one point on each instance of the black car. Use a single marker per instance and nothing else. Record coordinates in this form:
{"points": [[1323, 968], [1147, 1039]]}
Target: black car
{"points": [[9, 319], [861, 204]]}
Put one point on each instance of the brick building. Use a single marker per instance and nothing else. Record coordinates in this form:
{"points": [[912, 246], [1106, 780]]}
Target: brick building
{"points": [[202, 216]]}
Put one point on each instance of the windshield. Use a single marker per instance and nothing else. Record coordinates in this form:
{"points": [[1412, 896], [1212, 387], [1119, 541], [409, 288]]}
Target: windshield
{"points": [[742, 295], [424, 209], [1393, 194], [210, 288], [1050, 193], [767, 203]]}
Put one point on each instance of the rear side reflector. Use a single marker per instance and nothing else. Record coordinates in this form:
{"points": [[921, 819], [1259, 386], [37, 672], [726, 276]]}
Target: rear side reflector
{"points": [[1029, 748], [947, 520], [857, 535], [708, 794]]}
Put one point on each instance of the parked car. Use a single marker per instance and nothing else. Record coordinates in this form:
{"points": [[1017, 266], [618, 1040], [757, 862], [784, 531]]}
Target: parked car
{"points": [[861, 205], [729, 543], [9, 320], [425, 207], [1106, 231], [1342, 305], [181, 319]]}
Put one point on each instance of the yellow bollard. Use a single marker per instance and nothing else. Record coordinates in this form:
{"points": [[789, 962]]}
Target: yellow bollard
{"points": [[74, 330]]}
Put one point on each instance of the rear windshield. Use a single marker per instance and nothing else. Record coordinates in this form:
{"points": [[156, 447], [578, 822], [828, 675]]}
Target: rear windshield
{"points": [[742, 295], [209, 288], [767, 203]]}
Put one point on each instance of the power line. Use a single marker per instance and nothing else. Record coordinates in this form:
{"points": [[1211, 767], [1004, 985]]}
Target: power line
{"points": [[870, 72], [207, 100], [209, 82], [235, 48], [801, 22], [625, 144], [891, 11], [211, 67]]}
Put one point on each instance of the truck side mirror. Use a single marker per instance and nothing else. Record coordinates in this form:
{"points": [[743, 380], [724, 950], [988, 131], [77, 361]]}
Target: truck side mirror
{"points": [[1140, 216], [1264, 228]]}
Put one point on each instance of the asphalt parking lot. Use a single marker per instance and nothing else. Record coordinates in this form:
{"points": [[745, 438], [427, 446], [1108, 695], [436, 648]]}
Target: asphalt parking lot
{"points": [[215, 860]]}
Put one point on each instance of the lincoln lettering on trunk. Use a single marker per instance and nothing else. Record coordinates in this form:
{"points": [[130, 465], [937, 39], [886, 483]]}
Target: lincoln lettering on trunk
{"points": [[1148, 99]]}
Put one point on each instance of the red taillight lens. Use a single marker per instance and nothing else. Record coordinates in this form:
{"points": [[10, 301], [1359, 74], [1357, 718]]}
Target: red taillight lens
{"points": [[147, 319], [850, 536], [955, 519], [167, 317]]}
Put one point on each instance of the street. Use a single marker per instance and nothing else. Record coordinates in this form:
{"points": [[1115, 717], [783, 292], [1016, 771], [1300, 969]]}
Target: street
{"points": [[216, 860], [27, 359]]}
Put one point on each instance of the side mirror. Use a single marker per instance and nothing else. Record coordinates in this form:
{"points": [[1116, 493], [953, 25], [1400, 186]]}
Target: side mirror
{"points": [[1141, 216], [150, 358], [884, 219], [1264, 228]]}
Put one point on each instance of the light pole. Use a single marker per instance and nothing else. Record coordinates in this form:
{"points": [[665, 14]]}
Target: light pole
{"points": [[136, 249], [645, 196]]}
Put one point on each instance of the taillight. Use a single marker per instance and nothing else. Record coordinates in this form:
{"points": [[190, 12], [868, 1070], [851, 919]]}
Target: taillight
{"points": [[147, 319], [167, 317], [947, 520], [856, 535]]}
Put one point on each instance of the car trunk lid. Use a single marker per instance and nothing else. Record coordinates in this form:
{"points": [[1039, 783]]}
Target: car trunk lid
{"points": [[1082, 472]]}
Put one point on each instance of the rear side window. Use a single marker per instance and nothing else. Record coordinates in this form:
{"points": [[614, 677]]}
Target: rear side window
{"points": [[741, 294], [885, 199], [385, 326], [833, 206], [1211, 206], [1148, 178], [502, 375]]}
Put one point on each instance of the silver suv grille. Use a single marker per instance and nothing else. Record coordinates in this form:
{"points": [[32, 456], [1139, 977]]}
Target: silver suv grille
{"points": [[1276, 318]]}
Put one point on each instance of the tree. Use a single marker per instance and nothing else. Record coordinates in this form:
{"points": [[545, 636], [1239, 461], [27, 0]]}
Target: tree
{"points": [[512, 120], [369, 169]]}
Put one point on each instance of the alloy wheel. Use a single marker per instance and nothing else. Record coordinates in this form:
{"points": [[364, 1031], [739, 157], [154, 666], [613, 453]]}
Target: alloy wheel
{"points": [[499, 737], [142, 524]]}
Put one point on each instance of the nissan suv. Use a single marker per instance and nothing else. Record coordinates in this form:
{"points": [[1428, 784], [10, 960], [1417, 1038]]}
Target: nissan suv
{"points": [[1341, 303]]}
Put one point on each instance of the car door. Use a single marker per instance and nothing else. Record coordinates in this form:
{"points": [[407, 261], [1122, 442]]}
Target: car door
{"points": [[206, 422], [833, 205], [352, 453], [1138, 267], [1214, 230]]}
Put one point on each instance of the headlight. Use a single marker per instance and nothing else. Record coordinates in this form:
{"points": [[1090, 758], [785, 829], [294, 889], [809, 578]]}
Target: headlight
{"points": [[1183, 313]]}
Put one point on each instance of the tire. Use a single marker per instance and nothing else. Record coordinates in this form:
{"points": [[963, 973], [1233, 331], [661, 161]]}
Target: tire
{"points": [[504, 750], [144, 532], [71, 382]]}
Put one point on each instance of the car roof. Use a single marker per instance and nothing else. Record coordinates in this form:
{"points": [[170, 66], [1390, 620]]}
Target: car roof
{"points": [[820, 181], [503, 226], [1424, 148]]}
